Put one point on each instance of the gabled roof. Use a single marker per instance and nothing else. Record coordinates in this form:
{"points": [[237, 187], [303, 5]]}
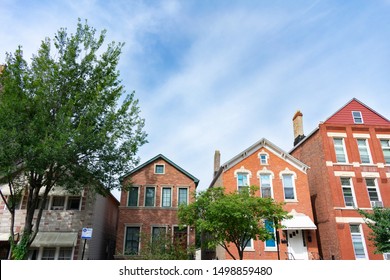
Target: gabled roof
{"points": [[160, 156], [262, 143], [344, 114]]}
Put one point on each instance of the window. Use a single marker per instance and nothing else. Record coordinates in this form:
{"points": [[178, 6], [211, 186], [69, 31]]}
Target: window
{"points": [[373, 192], [159, 169], [269, 226], [150, 194], [58, 203], [386, 150], [265, 185], [166, 197], [357, 117], [263, 156], [132, 240], [40, 201], [73, 203], [340, 150], [183, 196], [346, 185], [364, 151], [133, 197], [288, 187], [159, 239], [65, 254], [358, 242], [242, 181], [249, 244], [48, 253]]}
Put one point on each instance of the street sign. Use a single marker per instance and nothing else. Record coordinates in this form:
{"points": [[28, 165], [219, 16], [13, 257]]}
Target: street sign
{"points": [[86, 233]]}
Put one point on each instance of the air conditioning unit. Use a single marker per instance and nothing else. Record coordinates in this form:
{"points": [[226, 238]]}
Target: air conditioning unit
{"points": [[376, 204], [386, 256]]}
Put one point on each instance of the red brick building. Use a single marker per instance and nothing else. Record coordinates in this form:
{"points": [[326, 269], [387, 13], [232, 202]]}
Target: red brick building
{"points": [[284, 178], [349, 159], [149, 208]]}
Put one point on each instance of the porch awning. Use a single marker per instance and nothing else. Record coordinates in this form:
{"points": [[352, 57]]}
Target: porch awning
{"points": [[298, 221], [4, 236], [55, 239]]}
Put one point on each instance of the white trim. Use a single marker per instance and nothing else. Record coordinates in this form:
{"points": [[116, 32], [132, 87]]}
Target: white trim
{"points": [[367, 146], [272, 176], [155, 165], [344, 174], [387, 175], [294, 177], [356, 164], [243, 170], [262, 152], [349, 220], [370, 174], [329, 163], [361, 232], [380, 165], [337, 134], [383, 136], [361, 135], [265, 171], [360, 117]]}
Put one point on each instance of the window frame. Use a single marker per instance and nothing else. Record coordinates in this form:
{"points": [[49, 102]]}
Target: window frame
{"points": [[243, 186], [365, 148], [293, 178], [146, 196], [162, 196], [360, 237], [264, 158], [129, 193], [357, 119], [270, 227], [351, 187], [342, 148], [375, 188], [270, 176], [159, 165], [385, 148], [186, 196], [126, 239]]}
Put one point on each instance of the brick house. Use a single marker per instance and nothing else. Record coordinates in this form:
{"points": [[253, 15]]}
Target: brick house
{"points": [[149, 207], [284, 178], [349, 159], [64, 217]]}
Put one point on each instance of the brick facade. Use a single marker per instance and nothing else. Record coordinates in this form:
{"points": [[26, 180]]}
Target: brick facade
{"points": [[278, 163], [333, 215], [157, 215]]}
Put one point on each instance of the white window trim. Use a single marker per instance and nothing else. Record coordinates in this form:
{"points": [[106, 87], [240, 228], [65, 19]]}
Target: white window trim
{"points": [[344, 149], [294, 177], [243, 170], [155, 168], [376, 188], [361, 117], [363, 242], [161, 203], [274, 248], [250, 248], [368, 151], [272, 176], [267, 157], [385, 138], [352, 191]]}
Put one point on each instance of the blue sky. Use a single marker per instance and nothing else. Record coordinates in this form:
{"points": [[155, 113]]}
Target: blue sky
{"points": [[223, 74]]}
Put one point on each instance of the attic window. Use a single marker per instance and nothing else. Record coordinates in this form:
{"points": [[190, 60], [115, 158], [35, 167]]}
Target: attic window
{"points": [[159, 169], [357, 117]]}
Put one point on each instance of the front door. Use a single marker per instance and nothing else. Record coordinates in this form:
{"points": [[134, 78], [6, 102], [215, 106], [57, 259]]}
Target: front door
{"points": [[297, 244]]}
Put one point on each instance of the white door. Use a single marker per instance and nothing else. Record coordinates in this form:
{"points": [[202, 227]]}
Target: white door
{"points": [[296, 245]]}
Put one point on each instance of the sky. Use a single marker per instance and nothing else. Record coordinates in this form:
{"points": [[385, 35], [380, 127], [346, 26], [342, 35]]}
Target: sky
{"points": [[221, 75]]}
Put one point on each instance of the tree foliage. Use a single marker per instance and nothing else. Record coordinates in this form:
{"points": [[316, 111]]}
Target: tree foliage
{"points": [[63, 121], [379, 222], [232, 218]]}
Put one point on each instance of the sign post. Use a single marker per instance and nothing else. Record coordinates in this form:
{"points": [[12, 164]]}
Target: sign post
{"points": [[86, 233]]}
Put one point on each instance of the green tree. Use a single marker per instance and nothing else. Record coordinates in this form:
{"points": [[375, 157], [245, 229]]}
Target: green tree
{"points": [[232, 218], [379, 222], [63, 122]]}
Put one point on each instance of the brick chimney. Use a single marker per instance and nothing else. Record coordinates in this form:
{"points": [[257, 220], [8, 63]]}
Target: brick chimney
{"points": [[298, 127], [217, 161]]}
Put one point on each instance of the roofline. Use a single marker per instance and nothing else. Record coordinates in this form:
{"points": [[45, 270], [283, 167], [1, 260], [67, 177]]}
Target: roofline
{"points": [[263, 142], [196, 180], [304, 139], [361, 103]]}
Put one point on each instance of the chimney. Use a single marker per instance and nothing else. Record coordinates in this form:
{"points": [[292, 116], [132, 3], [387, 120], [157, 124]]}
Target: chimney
{"points": [[217, 161], [298, 127]]}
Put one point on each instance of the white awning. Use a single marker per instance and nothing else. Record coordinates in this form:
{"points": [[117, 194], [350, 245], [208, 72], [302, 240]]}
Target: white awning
{"points": [[4, 236], [55, 239], [298, 221]]}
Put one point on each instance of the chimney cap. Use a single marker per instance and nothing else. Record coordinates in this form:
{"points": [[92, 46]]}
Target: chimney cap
{"points": [[297, 114]]}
